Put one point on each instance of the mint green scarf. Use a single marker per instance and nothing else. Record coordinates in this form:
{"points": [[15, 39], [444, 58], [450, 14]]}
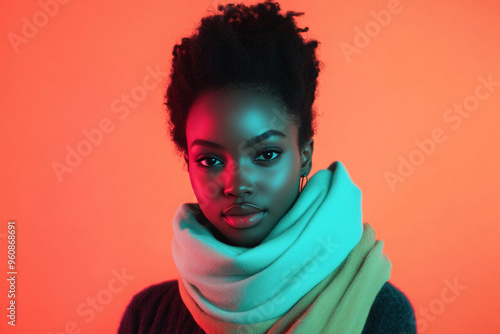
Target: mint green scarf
{"points": [[226, 286]]}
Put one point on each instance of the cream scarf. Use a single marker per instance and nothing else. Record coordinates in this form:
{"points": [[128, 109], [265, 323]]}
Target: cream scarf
{"points": [[318, 271]]}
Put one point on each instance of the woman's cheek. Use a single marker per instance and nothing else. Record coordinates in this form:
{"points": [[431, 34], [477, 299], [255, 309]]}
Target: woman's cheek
{"points": [[208, 188]]}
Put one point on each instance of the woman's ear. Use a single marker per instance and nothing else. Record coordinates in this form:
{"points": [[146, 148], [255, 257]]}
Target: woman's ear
{"points": [[186, 160], [306, 157]]}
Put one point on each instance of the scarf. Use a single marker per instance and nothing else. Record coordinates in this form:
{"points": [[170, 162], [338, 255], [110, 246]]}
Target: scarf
{"points": [[319, 270]]}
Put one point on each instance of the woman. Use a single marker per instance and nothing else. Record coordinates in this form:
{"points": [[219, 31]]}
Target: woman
{"points": [[260, 252]]}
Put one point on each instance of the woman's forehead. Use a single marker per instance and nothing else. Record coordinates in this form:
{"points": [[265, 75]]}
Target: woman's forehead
{"points": [[238, 121], [238, 107]]}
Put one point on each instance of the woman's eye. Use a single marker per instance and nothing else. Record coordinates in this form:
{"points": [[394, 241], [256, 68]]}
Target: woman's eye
{"points": [[209, 161], [269, 154], [206, 159]]}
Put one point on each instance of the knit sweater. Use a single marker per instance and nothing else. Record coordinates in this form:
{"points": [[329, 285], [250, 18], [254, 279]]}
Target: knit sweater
{"points": [[159, 309]]}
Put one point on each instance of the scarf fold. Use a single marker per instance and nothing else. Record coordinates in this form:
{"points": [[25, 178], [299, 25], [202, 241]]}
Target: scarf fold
{"points": [[319, 269]]}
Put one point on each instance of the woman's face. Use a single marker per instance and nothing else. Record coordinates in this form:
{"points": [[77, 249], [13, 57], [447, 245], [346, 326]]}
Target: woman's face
{"points": [[227, 167]]}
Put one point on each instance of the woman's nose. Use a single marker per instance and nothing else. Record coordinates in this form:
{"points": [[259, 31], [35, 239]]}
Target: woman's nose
{"points": [[238, 183]]}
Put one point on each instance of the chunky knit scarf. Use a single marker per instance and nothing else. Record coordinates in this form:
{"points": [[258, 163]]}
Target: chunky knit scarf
{"points": [[318, 271]]}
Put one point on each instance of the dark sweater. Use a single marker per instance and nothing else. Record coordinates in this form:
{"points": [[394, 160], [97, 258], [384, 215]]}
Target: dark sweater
{"points": [[159, 309]]}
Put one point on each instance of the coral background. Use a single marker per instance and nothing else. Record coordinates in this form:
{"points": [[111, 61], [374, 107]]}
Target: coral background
{"points": [[429, 174]]}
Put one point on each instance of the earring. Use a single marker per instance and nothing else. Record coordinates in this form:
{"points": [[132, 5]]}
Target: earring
{"points": [[302, 185]]}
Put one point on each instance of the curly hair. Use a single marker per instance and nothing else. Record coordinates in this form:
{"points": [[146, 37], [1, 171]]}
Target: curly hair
{"points": [[251, 47]]}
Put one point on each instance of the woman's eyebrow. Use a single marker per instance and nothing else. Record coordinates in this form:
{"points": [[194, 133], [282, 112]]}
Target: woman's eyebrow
{"points": [[251, 142]]}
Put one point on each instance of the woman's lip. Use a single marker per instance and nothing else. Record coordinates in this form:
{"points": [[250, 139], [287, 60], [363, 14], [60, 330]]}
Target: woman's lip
{"points": [[244, 221], [242, 209]]}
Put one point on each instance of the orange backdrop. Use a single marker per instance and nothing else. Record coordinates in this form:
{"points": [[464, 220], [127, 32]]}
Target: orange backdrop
{"points": [[408, 100]]}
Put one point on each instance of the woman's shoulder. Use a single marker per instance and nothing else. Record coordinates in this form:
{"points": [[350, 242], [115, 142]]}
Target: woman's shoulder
{"points": [[157, 307], [391, 312], [156, 291], [159, 294]]}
